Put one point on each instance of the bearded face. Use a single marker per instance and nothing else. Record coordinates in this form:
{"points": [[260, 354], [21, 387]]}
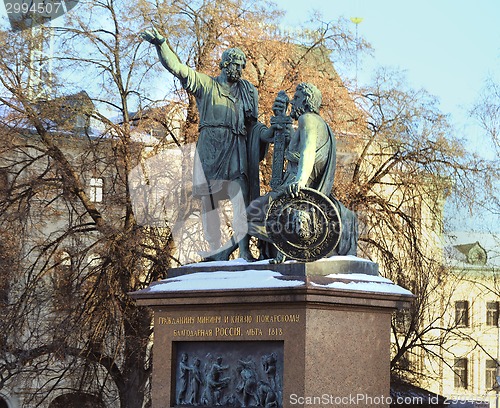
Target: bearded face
{"points": [[298, 105], [233, 72], [297, 111]]}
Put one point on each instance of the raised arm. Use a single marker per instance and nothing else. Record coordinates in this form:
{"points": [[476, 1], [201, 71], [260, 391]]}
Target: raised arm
{"points": [[167, 57]]}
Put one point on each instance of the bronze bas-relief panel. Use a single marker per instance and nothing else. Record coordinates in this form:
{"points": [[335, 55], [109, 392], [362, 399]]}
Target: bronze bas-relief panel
{"points": [[228, 373]]}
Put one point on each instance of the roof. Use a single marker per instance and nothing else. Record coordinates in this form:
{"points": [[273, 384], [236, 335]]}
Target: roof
{"points": [[69, 113], [474, 253], [473, 249]]}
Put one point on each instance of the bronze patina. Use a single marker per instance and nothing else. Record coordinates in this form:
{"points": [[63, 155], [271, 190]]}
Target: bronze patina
{"points": [[306, 227], [230, 142], [299, 217]]}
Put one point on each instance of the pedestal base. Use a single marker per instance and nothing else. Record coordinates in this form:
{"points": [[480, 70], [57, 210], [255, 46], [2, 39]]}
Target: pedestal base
{"points": [[260, 338]]}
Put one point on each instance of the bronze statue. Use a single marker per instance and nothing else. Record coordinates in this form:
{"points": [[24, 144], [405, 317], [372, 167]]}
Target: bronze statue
{"points": [[267, 396], [248, 383], [227, 378], [311, 159], [269, 364], [216, 383], [230, 143]]}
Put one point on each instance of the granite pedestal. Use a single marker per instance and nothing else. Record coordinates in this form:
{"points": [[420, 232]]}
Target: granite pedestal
{"points": [[291, 335]]}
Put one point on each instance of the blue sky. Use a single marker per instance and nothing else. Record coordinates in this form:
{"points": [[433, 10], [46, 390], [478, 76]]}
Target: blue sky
{"points": [[448, 47]]}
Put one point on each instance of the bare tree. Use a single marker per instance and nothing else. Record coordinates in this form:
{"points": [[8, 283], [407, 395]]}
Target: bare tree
{"points": [[73, 245], [409, 161], [487, 112]]}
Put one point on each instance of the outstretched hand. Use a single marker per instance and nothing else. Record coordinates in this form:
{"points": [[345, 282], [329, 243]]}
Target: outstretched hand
{"points": [[153, 36]]}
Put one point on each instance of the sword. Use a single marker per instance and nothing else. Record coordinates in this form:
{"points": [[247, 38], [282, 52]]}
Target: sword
{"points": [[280, 117]]}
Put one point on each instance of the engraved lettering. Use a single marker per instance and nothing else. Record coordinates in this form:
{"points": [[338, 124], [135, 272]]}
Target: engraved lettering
{"points": [[228, 331], [275, 331], [241, 319], [254, 332], [176, 320], [289, 318], [193, 333], [208, 319]]}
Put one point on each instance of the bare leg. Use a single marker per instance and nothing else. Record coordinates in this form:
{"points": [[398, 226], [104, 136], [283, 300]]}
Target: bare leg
{"points": [[238, 193], [211, 221]]}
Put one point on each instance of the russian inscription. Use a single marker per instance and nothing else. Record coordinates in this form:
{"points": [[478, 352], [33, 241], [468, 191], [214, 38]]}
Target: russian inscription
{"points": [[228, 359], [230, 326]]}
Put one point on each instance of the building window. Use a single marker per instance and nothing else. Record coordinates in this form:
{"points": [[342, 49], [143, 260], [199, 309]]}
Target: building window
{"points": [[4, 183], [462, 313], [492, 314], [63, 281], [491, 374], [460, 370], [96, 189]]}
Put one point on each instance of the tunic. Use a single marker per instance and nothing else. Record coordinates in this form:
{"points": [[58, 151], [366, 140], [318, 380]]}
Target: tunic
{"points": [[226, 111]]}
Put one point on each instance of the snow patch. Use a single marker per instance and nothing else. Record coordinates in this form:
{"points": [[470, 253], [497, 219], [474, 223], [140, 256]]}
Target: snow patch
{"points": [[249, 279], [380, 286]]}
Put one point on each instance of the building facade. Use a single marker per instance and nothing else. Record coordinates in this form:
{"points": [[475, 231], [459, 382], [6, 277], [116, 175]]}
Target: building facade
{"points": [[465, 365], [48, 256]]}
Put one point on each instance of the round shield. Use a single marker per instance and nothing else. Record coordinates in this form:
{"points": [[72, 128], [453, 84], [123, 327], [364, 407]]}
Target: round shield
{"points": [[305, 228]]}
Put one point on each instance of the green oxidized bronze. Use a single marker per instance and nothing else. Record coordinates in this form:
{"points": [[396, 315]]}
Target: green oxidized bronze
{"points": [[299, 217], [306, 227], [230, 144]]}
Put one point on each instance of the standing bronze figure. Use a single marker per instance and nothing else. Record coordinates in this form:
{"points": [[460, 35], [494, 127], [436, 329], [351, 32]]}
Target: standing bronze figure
{"points": [[228, 149]]}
